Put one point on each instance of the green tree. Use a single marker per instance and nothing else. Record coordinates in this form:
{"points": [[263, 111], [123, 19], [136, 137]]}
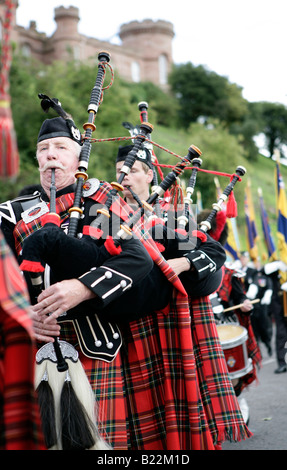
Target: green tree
{"points": [[203, 93], [245, 131], [222, 152], [72, 84], [272, 122]]}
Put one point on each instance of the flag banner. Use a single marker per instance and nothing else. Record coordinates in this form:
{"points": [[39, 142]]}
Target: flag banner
{"points": [[232, 243], [281, 205], [269, 243], [251, 232], [198, 202]]}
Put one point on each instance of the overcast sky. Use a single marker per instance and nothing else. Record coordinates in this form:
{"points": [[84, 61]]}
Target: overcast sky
{"points": [[243, 40]]}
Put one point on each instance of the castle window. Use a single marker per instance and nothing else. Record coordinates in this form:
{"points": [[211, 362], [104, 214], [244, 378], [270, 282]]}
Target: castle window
{"points": [[162, 62], [77, 54], [135, 70], [26, 50]]}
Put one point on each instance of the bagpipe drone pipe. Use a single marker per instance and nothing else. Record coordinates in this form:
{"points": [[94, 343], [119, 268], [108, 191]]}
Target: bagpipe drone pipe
{"points": [[183, 232], [183, 219], [151, 208], [205, 225]]}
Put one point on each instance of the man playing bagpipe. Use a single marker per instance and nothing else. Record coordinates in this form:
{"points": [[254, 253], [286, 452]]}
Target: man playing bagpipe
{"points": [[58, 148], [198, 262], [147, 398], [200, 270]]}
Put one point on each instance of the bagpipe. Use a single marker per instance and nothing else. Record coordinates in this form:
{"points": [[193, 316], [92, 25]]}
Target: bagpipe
{"points": [[183, 219], [36, 256], [205, 225], [151, 206], [67, 402], [66, 399], [158, 190]]}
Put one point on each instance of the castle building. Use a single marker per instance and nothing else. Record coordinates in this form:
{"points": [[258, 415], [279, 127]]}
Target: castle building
{"points": [[145, 52]]}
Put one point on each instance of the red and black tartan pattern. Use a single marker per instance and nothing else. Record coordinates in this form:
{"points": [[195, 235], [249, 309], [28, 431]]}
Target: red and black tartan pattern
{"points": [[220, 403], [149, 397], [165, 409], [225, 288], [20, 425], [168, 388], [22, 230]]}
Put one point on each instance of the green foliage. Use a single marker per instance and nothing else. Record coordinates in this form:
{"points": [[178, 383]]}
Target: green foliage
{"points": [[163, 104], [246, 131], [203, 93], [72, 84], [272, 121], [221, 152]]}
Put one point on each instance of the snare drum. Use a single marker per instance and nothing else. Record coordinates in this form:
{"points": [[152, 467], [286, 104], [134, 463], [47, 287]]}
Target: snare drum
{"points": [[233, 340]]}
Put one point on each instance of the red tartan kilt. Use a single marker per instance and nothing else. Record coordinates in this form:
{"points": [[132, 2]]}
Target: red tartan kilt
{"points": [[168, 387], [148, 397], [20, 424]]}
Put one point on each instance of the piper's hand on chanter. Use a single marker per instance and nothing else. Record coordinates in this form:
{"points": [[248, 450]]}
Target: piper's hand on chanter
{"points": [[179, 265], [44, 332], [60, 297]]}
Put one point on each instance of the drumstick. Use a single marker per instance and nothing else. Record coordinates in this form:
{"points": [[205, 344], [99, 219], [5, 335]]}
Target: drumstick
{"points": [[255, 301]]}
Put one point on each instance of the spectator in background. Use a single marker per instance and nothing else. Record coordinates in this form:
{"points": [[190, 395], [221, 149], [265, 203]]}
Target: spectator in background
{"points": [[276, 308], [259, 286]]}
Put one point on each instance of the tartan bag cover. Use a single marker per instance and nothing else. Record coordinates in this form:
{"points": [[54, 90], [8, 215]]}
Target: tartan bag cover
{"points": [[22, 230], [223, 413], [20, 425]]}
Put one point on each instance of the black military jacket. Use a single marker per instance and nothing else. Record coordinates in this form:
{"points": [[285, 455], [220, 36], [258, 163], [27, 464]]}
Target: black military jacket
{"points": [[129, 285]]}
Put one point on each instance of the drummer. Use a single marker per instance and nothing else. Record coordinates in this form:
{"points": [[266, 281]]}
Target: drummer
{"points": [[231, 293]]}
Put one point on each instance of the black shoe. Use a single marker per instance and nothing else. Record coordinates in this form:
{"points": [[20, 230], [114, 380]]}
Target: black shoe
{"points": [[280, 370]]}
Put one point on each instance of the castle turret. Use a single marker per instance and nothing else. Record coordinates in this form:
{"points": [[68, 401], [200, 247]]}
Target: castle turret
{"points": [[67, 20], [152, 41], [65, 40], [144, 55]]}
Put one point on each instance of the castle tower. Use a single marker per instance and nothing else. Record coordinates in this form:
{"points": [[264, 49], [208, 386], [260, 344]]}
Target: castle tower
{"points": [[151, 41], [65, 40], [144, 55]]}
